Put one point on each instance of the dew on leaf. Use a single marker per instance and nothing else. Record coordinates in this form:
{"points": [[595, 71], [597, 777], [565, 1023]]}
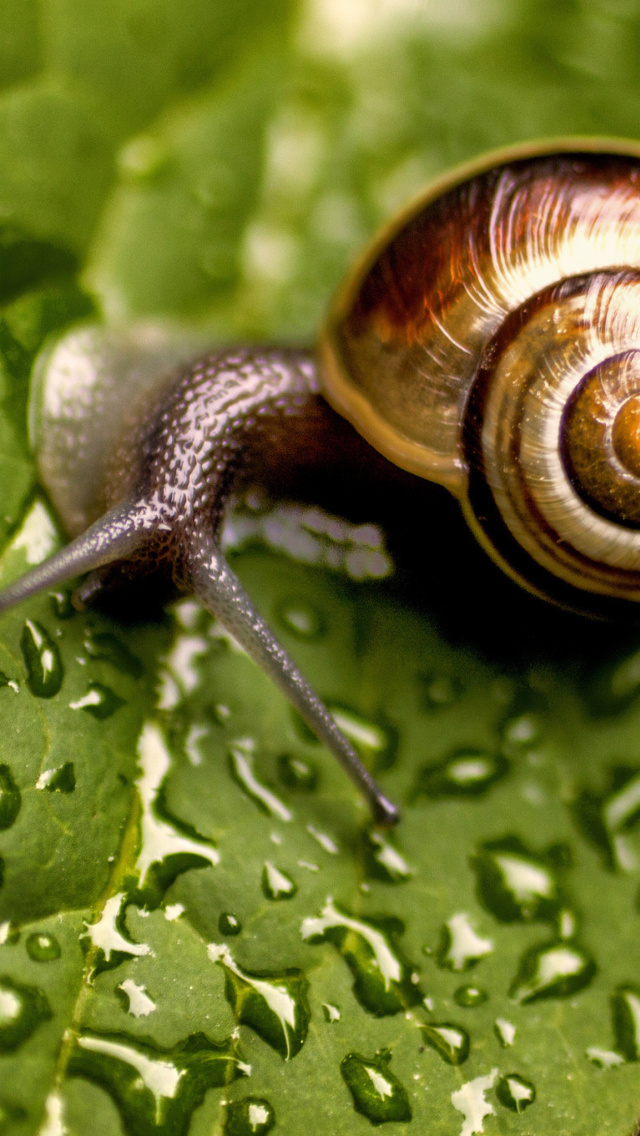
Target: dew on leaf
{"points": [[62, 606], [173, 911], [552, 970], [625, 1015], [515, 885], [195, 734], [460, 945], [331, 1013], [275, 1005], [452, 1042], [604, 1058], [9, 798], [520, 733], [382, 977], [62, 779], [440, 689], [42, 946], [383, 861], [515, 1093], [301, 619], [42, 660], [505, 1032], [108, 936], [253, 1116], [135, 999], [241, 759], [470, 996], [323, 839], [377, 1093], [607, 819], [155, 1090], [168, 846], [100, 701], [298, 773], [107, 648], [467, 772], [276, 884], [22, 1009], [471, 1101], [229, 924]]}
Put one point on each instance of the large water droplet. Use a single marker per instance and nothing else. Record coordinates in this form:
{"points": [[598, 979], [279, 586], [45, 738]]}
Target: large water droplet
{"points": [[470, 996], [42, 946], [241, 761], [460, 946], [22, 1009], [384, 982], [253, 1116], [515, 885], [275, 1005], [229, 924], [277, 884], [377, 1093], [100, 701], [105, 647], [42, 660], [471, 1101], [608, 819], [298, 773], [58, 780], [9, 798], [552, 970], [515, 1093], [450, 1041], [383, 861], [467, 772], [301, 619], [155, 1090], [625, 1013]]}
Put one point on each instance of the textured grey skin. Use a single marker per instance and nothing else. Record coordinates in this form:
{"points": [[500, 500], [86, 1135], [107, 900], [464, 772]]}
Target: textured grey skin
{"points": [[171, 481]]}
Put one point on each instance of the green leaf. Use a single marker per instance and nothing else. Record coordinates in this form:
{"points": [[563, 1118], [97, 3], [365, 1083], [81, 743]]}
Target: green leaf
{"points": [[200, 934]]}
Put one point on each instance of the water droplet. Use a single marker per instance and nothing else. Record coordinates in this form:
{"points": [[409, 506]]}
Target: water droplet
{"points": [[460, 946], [605, 1058], [135, 999], [274, 1005], [109, 936], [383, 861], [471, 1101], [505, 1032], [331, 1013], [42, 660], [60, 780], [252, 1116], [470, 996], [105, 647], [155, 1090], [229, 924], [100, 701], [22, 1009], [377, 1093], [552, 970], [62, 605], [277, 884], [625, 1013], [9, 798], [375, 741], [296, 773], [515, 1093], [451, 1042], [382, 977], [607, 819], [241, 759], [42, 946], [440, 689], [467, 772], [168, 846], [301, 619], [515, 885], [520, 733]]}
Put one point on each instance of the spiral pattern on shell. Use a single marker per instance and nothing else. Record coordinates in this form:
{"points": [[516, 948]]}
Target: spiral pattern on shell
{"points": [[491, 343]]}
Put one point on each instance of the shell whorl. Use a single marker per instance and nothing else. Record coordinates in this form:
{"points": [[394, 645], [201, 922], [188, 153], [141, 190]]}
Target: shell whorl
{"points": [[492, 343]]}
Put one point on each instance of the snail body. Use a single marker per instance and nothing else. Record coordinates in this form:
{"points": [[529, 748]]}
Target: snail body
{"points": [[489, 341]]}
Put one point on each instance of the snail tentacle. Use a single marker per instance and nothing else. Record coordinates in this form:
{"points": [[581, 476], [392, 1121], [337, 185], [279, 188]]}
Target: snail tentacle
{"points": [[220, 591]]}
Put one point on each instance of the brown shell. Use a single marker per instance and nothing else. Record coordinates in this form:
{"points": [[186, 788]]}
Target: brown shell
{"points": [[406, 335]]}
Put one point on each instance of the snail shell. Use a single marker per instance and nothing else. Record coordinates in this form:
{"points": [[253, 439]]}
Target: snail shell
{"points": [[490, 341]]}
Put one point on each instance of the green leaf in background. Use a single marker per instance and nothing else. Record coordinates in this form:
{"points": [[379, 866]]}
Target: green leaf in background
{"points": [[200, 935]]}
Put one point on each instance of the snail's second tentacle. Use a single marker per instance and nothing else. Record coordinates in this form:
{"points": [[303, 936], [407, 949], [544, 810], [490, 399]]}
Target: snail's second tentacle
{"points": [[219, 589]]}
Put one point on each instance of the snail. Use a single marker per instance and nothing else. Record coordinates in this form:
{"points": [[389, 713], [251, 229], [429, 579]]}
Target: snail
{"points": [[488, 340]]}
